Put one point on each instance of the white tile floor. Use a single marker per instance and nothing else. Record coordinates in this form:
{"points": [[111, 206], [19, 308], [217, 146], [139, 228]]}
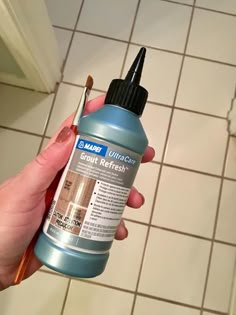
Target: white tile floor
{"points": [[186, 265]]}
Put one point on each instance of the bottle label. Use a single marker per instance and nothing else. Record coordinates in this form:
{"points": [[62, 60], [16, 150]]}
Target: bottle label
{"points": [[92, 193]]}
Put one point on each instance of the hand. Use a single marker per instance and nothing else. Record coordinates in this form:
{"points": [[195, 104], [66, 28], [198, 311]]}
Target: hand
{"points": [[23, 199]]}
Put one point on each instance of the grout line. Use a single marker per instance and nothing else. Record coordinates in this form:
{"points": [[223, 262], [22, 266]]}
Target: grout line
{"points": [[65, 298], [211, 60], [177, 303], [156, 103], [215, 11], [21, 131], [185, 54], [62, 28], [72, 36], [177, 2], [153, 297], [48, 118], [105, 285], [153, 47], [150, 102], [186, 110], [195, 171], [153, 162], [162, 160], [191, 170], [200, 7], [215, 227], [130, 36], [201, 113], [103, 36], [159, 227], [23, 88], [216, 221]]}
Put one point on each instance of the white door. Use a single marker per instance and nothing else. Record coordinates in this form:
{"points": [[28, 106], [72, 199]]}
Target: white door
{"points": [[29, 55]]}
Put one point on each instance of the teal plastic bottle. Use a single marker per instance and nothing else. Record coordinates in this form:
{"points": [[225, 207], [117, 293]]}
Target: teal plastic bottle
{"points": [[94, 188]]}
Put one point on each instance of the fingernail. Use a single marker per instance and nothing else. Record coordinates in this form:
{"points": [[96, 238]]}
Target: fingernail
{"points": [[126, 231], [142, 197], [64, 135]]}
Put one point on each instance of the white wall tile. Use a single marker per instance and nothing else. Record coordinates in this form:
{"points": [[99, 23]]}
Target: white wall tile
{"points": [[230, 170], [154, 307], [220, 278], [102, 58], [125, 259], [197, 142], [162, 24], [24, 109], [228, 6], [89, 299], [226, 230], [17, 149], [113, 18], [189, 207], [40, 294], [213, 36], [63, 13], [206, 87], [175, 267]]}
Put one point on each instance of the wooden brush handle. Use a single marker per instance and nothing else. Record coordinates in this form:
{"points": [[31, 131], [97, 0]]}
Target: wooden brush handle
{"points": [[28, 254]]}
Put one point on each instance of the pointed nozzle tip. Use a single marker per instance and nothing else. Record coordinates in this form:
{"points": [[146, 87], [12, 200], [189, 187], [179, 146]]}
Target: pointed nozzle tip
{"points": [[135, 71]]}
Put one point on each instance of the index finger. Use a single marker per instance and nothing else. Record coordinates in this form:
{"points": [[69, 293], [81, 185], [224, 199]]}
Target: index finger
{"points": [[90, 106]]}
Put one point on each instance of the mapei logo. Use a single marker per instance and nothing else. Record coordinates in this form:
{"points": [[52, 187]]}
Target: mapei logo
{"points": [[91, 147], [81, 144]]}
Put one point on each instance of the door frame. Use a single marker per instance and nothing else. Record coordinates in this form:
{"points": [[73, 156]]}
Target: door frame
{"points": [[27, 32]]}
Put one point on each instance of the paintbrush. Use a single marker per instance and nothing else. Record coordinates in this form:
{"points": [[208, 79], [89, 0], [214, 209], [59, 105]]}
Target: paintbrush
{"points": [[28, 254]]}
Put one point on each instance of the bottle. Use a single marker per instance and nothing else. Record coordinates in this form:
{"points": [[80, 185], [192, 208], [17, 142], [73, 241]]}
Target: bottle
{"points": [[91, 196]]}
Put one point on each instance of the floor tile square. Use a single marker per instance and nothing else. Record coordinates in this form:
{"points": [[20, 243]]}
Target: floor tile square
{"points": [[160, 73], [102, 58], [40, 294], [12, 143], [212, 36], [90, 299], [155, 120], [63, 14], [228, 6], [63, 39], [162, 24], [206, 87], [220, 278], [197, 142], [189, 207], [145, 182], [24, 109], [131, 251], [230, 170], [155, 307], [113, 18], [227, 215], [175, 267]]}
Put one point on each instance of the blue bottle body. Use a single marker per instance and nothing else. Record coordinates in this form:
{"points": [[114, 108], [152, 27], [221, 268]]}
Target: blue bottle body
{"points": [[117, 126]]}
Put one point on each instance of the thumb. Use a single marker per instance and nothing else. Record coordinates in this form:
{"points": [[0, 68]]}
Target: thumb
{"points": [[39, 173]]}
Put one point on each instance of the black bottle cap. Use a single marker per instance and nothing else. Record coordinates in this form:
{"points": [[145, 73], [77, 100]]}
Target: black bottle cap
{"points": [[128, 93]]}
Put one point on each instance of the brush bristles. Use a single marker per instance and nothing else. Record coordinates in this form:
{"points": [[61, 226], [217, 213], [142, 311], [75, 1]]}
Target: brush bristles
{"points": [[89, 82]]}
